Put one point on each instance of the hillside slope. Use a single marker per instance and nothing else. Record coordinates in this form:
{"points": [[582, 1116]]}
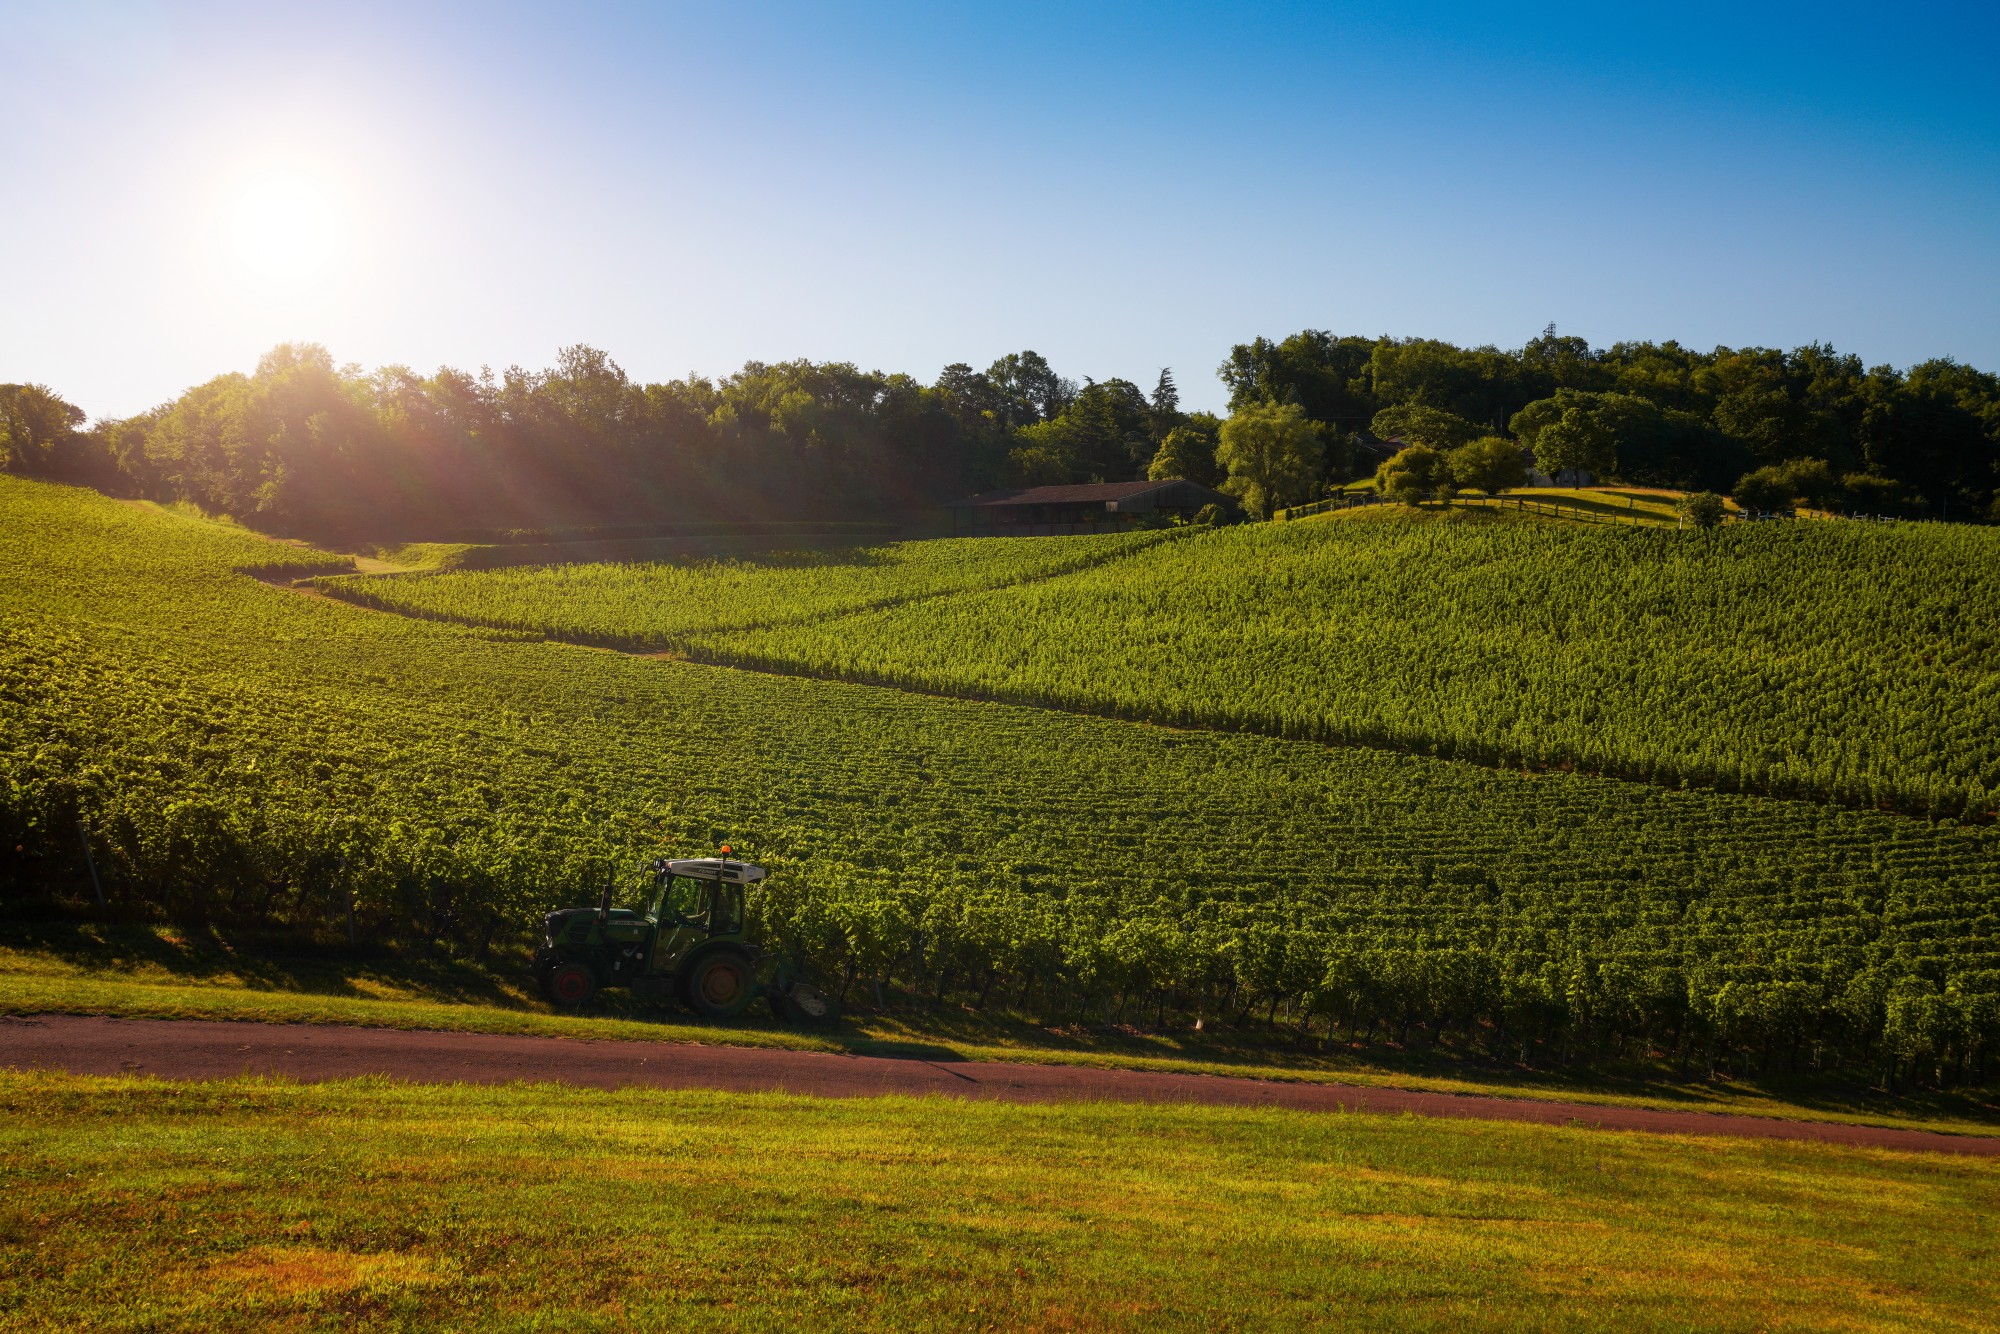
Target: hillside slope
{"points": [[662, 604], [1853, 662], [243, 753]]}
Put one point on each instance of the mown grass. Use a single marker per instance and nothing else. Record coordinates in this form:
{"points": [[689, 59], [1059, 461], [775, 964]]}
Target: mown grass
{"points": [[1630, 503], [169, 973], [1647, 502], [247, 1204]]}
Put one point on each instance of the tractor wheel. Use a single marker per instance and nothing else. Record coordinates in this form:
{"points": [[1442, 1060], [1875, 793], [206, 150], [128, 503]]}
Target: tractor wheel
{"points": [[720, 986], [570, 985]]}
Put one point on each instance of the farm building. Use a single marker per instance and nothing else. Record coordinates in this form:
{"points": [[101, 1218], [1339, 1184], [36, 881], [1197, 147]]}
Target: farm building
{"points": [[1088, 507]]}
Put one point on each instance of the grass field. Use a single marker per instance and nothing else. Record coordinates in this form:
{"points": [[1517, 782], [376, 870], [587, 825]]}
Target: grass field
{"points": [[1624, 504], [128, 1204], [1568, 504]]}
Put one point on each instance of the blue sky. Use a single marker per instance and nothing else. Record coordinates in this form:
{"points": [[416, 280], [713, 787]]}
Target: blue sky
{"points": [[1120, 187]]}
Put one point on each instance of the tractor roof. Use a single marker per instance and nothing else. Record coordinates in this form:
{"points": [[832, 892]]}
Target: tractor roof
{"points": [[715, 868]]}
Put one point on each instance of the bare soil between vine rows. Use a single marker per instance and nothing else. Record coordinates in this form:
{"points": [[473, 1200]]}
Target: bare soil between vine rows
{"points": [[190, 1049]]}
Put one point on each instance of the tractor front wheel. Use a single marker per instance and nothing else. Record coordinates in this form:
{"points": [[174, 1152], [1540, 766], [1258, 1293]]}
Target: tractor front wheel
{"points": [[720, 986], [570, 985]]}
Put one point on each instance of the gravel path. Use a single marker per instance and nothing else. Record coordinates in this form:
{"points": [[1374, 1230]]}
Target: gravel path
{"points": [[205, 1049]]}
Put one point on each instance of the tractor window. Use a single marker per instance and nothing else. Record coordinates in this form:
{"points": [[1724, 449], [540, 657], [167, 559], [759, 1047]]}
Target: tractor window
{"points": [[728, 917], [687, 901]]}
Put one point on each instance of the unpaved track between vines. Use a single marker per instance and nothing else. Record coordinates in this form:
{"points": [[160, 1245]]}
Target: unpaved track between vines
{"points": [[210, 1049]]}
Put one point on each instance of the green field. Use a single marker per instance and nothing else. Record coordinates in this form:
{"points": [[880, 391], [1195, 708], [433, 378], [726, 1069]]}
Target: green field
{"points": [[127, 1204], [246, 754], [1595, 504], [658, 605], [1846, 662], [1831, 661]]}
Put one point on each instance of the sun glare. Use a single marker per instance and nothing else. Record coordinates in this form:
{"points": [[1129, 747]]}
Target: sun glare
{"points": [[285, 225]]}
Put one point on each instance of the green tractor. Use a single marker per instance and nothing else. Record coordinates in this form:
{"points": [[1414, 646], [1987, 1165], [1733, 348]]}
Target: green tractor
{"points": [[688, 946]]}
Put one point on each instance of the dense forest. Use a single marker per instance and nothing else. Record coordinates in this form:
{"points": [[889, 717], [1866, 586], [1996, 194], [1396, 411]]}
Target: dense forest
{"points": [[305, 445]]}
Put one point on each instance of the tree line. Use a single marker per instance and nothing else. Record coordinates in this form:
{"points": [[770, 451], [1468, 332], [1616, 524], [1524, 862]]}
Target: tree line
{"points": [[1770, 426], [302, 444]]}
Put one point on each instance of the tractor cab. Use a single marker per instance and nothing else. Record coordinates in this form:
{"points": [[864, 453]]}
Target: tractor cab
{"points": [[703, 894]]}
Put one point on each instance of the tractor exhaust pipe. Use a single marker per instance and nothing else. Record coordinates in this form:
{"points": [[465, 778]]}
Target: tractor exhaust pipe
{"points": [[604, 904]]}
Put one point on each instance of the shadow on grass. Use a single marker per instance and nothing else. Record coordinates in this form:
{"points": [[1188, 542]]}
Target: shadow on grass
{"points": [[264, 962], [915, 1029], [1259, 1049]]}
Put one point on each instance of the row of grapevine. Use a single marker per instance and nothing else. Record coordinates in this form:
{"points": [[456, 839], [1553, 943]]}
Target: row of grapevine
{"points": [[1846, 662], [659, 605], [239, 752]]}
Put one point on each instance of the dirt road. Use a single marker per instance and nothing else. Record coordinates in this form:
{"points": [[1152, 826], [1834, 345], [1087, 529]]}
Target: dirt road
{"points": [[202, 1049]]}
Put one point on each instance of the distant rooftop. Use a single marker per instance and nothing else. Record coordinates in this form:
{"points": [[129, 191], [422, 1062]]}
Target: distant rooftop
{"points": [[1081, 493]]}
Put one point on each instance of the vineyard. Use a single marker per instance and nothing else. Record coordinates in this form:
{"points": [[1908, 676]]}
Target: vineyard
{"points": [[658, 605], [238, 752], [1829, 661], [1858, 663]]}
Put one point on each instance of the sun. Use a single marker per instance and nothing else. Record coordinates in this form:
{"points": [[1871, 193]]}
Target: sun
{"points": [[285, 224]]}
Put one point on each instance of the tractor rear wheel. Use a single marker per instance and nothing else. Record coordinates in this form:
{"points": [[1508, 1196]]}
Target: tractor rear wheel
{"points": [[570, 985], [720, 985]]}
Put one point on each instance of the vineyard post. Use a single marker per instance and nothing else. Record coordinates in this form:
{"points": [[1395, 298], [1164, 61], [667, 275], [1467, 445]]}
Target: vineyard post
{"points": [[96, 885], [347, 893]]}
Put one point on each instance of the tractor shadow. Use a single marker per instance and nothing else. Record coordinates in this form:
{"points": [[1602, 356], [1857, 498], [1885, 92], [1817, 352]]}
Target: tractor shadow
{"points": [[256, 962]]}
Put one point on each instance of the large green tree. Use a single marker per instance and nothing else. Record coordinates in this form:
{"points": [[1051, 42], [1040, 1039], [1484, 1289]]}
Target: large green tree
{"points": [[1189, 452], [1104, 434], [1324, 375], [290, 445], [1491, 464], [1571, 433], [1272, 455], [1165, 406], [1622, 436], [1416, 424], [1026, 389], [1480, 384], [36, 427], [1414, 475]]}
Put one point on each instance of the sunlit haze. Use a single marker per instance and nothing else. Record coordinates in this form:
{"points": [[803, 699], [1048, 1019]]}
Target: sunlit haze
{"points": [[285, 225], [1120, 187]]}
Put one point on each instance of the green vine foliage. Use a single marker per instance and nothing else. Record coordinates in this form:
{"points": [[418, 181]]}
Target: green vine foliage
{"points": [[1830, 661], [240, 752]]}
